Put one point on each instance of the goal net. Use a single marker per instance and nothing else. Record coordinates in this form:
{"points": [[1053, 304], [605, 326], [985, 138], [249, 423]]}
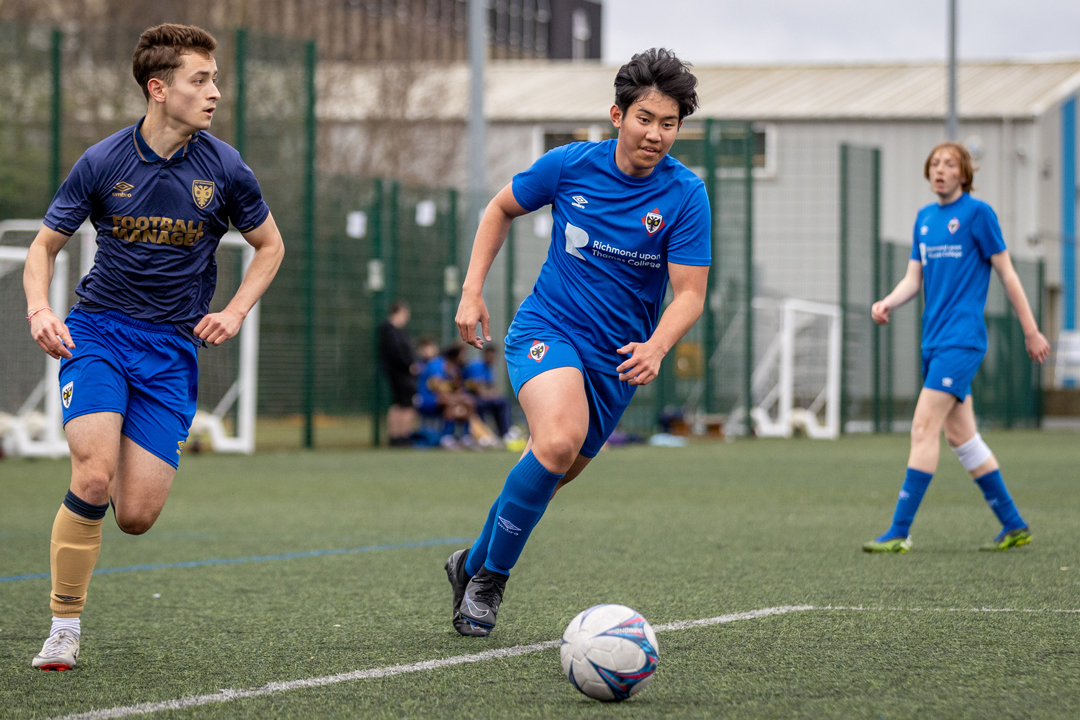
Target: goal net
{"points": [[31, 422], [798, 377]]}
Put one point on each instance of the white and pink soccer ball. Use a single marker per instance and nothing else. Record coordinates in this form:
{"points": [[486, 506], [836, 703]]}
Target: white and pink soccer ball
{"points": [[609, 652]]}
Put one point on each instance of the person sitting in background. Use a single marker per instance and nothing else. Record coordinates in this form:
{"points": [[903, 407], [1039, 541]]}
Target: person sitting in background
{"points": [[479, 377], [400, 364], [440, 391]]}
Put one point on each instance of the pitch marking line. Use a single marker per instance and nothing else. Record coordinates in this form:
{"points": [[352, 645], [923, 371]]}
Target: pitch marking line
{"points": [[275, 687]]}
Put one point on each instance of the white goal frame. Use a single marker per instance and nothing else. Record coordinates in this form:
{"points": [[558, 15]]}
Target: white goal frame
{"points": [[780, 356], [18, 439]]}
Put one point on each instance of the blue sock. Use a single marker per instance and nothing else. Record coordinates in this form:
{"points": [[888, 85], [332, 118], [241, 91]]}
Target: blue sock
{"points": [[522, 502], [479, 551], [999, 500], [448, 428], [911, 494]]}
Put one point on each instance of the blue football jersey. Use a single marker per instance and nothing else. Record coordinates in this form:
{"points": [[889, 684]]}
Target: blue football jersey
{"points": [[954, 243], [613, 235], [434, 376], [477, 371], [158, 223]]}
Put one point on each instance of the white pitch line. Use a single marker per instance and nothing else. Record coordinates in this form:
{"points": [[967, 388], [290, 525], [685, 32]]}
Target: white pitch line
{"points": [[228, 695]]}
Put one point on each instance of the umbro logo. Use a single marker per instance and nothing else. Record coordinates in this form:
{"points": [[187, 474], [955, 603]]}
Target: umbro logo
{"points": [[508, 526], [579, 202], [122, 189]]}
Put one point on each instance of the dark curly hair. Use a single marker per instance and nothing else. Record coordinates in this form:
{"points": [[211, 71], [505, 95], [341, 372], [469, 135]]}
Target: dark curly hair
{"points": [[656, 69]]}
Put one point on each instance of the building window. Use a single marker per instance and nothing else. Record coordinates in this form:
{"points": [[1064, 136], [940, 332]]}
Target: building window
{"points": [[581, 33], [689, 150], [557, 137]]}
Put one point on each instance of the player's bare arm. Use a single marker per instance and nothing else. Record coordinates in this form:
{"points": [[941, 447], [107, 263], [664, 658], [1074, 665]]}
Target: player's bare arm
{"points": [[907, 288], [218, 327], [490, 236], [1035, 342], [48, 330], [689, 284]]}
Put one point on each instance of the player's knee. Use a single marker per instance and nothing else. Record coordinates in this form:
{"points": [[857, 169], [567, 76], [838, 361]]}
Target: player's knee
{"points": [[133, 523], [91, 486], [558, 453], [924, 430]]}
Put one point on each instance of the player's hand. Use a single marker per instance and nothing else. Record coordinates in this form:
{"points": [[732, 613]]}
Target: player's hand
{"points": [[472, 311], [643, 365], [51, 334], [879, 311], [1037, 347], [216, 328]]}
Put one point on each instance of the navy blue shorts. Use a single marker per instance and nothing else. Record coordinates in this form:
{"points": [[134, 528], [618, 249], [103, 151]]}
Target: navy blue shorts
{"points": [[535, 345], [951, 369], [148, 373]]}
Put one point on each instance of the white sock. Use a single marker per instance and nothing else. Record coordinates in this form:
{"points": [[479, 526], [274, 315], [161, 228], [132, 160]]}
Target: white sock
{"points": [[70, 624]]}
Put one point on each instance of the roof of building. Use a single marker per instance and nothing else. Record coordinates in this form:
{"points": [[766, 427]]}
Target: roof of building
{"points": [[546, 91]]}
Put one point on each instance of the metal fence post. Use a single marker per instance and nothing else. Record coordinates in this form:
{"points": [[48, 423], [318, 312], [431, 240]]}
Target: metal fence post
{"points": [[57, 115], [511, 273], [309, 247], [240, 130], [714, 231], [452, 277], [375, 231], [875, 229], [843, 285], [748, 349]]}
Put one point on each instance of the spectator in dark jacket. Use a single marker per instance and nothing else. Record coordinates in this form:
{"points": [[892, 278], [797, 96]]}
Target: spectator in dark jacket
{"points": [[399, 362]]}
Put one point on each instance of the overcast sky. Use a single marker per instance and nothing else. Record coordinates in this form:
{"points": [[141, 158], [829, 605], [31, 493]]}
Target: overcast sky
{"points": [[766, 31]]}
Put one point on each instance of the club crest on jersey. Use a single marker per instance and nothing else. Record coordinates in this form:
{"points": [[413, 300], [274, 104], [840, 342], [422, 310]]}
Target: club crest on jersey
{"points": [[66, 394], [538, 350], [653, 221], [954, 225], [202, 192]]}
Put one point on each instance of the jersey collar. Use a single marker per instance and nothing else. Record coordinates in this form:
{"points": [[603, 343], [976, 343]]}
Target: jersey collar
{"points": [[147, 155]]}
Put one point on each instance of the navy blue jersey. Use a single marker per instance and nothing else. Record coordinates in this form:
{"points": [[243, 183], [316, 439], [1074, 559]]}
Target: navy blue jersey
{"points": [[606, 271], [954, 243], [158, 223]]}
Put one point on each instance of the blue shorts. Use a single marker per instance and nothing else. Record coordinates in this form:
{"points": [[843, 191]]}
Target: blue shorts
{"points": [[148, 373], [951, 369], [534, 345]]}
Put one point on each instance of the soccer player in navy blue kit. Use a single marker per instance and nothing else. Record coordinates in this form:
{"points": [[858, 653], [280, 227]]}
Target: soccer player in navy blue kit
{"points": [[957, 241], [627, 218], [160, 195]]}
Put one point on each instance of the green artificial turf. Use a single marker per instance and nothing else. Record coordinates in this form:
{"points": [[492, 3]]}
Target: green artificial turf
{"points": [[676, 533]]}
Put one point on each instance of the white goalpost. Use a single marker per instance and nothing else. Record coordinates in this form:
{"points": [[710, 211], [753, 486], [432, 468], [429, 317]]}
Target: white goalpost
{"points": [[798, 377], [31, 421]]}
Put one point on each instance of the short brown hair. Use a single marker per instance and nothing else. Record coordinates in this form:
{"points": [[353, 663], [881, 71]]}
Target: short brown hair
{"points": [[963, 158], [161, 49]]}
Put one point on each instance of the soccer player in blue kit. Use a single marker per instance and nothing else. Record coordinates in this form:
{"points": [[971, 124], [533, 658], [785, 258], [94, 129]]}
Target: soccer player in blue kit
{"points": [[957, 241], [627, 218], [160, 195]]}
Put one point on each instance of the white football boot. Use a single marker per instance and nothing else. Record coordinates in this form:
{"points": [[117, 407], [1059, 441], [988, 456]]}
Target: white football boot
{"points": [[60, 652]]}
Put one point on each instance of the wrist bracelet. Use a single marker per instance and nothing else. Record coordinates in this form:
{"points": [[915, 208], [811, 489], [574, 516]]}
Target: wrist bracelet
{"points": [[35, 312]]}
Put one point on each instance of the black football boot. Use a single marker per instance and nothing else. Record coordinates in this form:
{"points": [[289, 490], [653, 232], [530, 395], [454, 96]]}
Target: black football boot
{"points": [[459, 578], [481, 601]]}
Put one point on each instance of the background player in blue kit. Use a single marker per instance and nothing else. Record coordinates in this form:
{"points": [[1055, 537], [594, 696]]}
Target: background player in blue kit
{"points": [[957, 241], [627, 217], [160, 195]]}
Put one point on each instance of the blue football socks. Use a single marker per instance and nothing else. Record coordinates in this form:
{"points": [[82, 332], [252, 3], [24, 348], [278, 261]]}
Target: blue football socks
{"points": [[999, 500], [521, 504], [911, 494], [479, 551]]}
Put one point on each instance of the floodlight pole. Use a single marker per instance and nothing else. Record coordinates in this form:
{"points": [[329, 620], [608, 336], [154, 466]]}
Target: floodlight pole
{"points": [[952, 125], [477, 126]]}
